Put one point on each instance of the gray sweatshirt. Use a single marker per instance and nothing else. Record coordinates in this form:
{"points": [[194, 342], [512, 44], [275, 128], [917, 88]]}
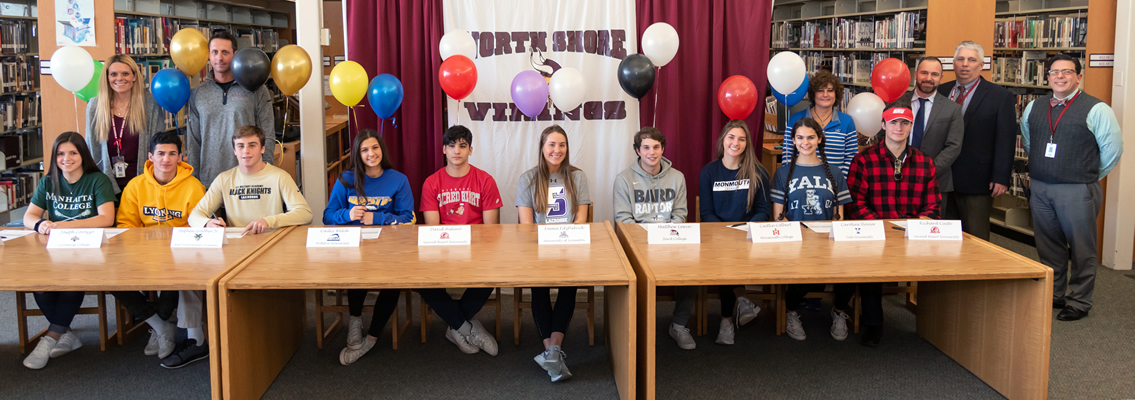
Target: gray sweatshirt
{"points": [[642, 198], [214, 117], [155, 122]]}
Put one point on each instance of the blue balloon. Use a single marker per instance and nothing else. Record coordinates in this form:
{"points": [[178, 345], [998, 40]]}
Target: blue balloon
{"points": [[791, 99], [170, 88], [385, 95]]}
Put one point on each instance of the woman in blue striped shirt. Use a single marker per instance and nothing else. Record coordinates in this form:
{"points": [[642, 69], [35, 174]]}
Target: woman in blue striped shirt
{"points": [[824, 90]]}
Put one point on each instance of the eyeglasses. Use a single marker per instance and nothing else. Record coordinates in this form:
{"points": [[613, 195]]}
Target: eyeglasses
{"points": [[1062, 72]]}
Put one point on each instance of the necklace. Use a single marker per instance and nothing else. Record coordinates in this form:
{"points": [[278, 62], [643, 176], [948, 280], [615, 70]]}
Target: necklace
{"points": [[823, 121], [120, 111]]}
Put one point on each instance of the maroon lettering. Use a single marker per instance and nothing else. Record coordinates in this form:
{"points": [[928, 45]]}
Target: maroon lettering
{"points": [[486, 44], [559, 41], [593, 110], [498, 112], [615, 110], [477, 111], [502, 44], [590, 41], [538, 41], [519, 38], [604, 43], [617, 38]]}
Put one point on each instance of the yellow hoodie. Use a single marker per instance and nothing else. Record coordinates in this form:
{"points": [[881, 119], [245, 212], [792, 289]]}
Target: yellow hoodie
{"points": [[147, 203]]}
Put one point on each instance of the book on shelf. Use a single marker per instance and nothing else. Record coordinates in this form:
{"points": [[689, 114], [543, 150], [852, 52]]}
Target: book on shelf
{"points": [[816, 34], [1034, 32], [18, 37], [18, 112], [852, 33], [1028, 69], [18, 75], [17, 188], [143, 35], [906, 30], [785, 35]]}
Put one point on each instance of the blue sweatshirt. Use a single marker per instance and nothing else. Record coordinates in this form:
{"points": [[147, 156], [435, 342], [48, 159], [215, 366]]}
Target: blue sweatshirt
{"points": [[723, 198], [389, 197]]}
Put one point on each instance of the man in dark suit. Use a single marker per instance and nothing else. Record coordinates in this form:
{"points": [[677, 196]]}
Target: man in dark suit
{"points": [[982, 170], [937, 128]]}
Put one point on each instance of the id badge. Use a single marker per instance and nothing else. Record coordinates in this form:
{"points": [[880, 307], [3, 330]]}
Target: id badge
{"points": [[1050, 150], [119, 167]]}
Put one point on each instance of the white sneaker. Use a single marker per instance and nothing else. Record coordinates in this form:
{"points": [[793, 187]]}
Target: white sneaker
{"points": [[839, 324], [160, 345], [725, 334], [481, 338], [552, 360], [794, 328], [349, 355], [460, 340], [38, 358], [354, 332], [67, 343], [152, 345], [681, 334], [745, 310]]}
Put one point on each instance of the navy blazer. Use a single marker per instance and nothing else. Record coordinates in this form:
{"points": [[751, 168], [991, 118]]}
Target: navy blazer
{"points": [[990, 138]]}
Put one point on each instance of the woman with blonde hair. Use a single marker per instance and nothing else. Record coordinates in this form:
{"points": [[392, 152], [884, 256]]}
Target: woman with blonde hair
{"points": [[121, 120]]}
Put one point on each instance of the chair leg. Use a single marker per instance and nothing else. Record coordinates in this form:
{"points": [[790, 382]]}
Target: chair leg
{"points": [[591, 315], [858, 310], [517, 297], [121, 315], [103, 338], [393, 330], [319, 319], [781, 310], [22, 320], [703, 320], [497, 307], [424, 315]]}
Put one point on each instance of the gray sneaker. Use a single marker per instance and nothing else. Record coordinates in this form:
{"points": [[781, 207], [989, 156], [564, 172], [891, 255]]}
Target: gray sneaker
{"points": [[481, 338], [725, 334], [38, 358], [681, 334], [348, 356], [187, 352], [745, 311], [166, 343], [67, 343], [152, 345], [552, 360], [839, 324], [354, 332], [793, 327], [462, 342]]}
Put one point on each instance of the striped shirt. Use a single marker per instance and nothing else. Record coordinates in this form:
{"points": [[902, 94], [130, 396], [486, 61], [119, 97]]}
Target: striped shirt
{"points": [[842, 140]]}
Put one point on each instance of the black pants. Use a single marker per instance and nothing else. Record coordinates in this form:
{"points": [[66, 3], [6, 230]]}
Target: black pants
{"points": [[728, 299], [59, 308], [383, 307], [456, 312], [550, 319], [871, 295], [140, 307]]}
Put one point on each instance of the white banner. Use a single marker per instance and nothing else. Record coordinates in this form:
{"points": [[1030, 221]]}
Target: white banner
{"points": [[592, 36]]}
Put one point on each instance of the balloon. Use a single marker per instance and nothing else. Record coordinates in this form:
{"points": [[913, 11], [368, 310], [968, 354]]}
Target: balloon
{"points": [[250, 67], [92, 89], [568, 88], [458, 76], [660, 43], [457, 42], [866, 109], [786, 71], [170, 88], [291, 69], [791, 99], [636, 75], [189, 50], [348, 83], [737, 97], [72, 67], [530, 93], [385, 95], [890, 78]]}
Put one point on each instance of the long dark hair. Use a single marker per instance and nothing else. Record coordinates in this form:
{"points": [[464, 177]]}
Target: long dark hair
{"points": [[815, 127], [89, 166], [748, 163], [544, 173], [357, 165]]}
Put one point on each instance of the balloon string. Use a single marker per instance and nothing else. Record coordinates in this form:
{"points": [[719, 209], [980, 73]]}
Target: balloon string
{"points": [[458, 112], [655, 123], [356, 116], [381, 126], [76, 101]]}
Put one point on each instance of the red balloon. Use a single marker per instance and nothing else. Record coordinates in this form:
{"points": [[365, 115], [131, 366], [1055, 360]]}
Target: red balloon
{"points": [[737, 97], [458, 76], [890, 78]]}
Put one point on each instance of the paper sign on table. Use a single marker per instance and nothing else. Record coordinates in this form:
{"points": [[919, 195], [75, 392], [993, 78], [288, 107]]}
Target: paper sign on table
{"points": [[445, 235], [564, 234], [209, 238], [371, 233], [768, 232], [112, 232], [932, 229], [858, 230], [234, 233], [6, 235], [339, 236], [673, 234], [76, 238], [819, 226]]}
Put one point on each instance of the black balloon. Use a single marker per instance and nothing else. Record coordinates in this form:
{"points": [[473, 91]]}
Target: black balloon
{"points": [[251, 68], [636, 75]]}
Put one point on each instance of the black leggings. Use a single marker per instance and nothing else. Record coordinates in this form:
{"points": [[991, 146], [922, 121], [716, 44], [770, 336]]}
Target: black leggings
{"points": [[139, 304], [384, 307], [870, 295], [728, 298], [59, 308], [550, 319], [456, 312]]}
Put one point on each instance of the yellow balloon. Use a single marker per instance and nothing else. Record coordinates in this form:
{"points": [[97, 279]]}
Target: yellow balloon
{"points": [[189, 50], [349, 83], [291, 68]]}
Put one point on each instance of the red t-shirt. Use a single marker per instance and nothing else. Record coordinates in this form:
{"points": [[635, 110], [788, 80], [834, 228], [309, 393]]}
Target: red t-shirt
{"points": [[460, 201]]}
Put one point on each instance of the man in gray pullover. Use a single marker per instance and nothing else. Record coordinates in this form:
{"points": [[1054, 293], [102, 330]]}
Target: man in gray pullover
{"points": [[217, 107]]}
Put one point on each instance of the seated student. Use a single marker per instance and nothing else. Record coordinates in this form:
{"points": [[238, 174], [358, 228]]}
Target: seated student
{"points": [[371, 193], [650, 191], [553, 192], [163, 195], [461, 194], [811, 189], [734, 188], [253, 194], [74, 194], [890, 180]]}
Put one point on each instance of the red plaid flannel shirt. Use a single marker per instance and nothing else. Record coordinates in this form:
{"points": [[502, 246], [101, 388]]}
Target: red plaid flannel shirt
{"points": [[876, 194]]}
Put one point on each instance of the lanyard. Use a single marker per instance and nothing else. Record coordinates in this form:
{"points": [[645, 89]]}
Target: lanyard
{"points": [[118, 134], [962, 100], [1051, 126]]}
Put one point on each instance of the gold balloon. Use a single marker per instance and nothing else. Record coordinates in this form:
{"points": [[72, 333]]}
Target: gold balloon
{"points": [[189, 50], [291, 68], [349, 83]]}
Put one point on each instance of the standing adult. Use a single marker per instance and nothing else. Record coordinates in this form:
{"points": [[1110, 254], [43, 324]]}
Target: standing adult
{"points": [[938, 126], [120, 122], [824, 90]]}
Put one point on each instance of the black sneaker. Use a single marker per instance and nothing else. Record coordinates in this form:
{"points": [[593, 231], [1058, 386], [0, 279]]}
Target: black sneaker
{"points": [[872, 336], [186, 353]]}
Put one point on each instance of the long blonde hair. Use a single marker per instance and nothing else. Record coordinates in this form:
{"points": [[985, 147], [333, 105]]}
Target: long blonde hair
{"points": [[135, 116], [748, 163], [544, 174]]}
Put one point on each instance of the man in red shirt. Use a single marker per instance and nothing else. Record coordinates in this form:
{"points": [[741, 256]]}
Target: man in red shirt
{"points": [[461, 194]]}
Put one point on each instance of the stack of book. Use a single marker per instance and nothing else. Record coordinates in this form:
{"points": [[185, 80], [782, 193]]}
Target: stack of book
{"points": [[18, 75], [17, 112], [1037, 32], [853, 34], [19, 37], [17, 188], [906, 30]]}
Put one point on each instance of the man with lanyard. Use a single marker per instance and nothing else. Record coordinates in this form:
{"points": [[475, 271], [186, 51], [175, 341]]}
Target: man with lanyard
{"points": [[1073, 140]]}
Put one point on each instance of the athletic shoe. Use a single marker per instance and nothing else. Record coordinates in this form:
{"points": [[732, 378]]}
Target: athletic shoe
{"points": [[152, 345], [552, 360], [354, 332], [186, 353], [839, 324], [725, 334], [794, 328], [681, 334], [349, 355], [462, 342], [481, 338], [38, 358], [160, 345], [745, 311], [67, 343], [872, 335]]}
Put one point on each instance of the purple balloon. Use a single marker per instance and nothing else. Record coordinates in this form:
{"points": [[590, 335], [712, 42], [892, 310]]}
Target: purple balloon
{"points": [[530, 93]]}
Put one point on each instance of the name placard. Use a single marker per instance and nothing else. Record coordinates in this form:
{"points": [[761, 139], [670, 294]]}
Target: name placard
{"points": [[857, 230], [211, 238], [771, 232], [76, 238], [673, 233], [564, 234], [930, 229], [334, 237], [445, 235]]}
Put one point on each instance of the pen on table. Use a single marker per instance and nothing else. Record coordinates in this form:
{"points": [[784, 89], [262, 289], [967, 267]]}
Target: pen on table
{"points": [[898, 227], [737, 225]]}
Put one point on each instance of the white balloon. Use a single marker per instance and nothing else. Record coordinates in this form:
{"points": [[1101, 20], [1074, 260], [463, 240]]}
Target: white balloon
{"points": [[457, 42], [866, 109], [786, 71], [567, 88], [72, 67], [660, 43]]}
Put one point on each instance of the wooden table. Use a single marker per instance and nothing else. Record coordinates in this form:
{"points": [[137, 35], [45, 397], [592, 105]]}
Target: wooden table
{"points": [[984, 306], [137, 259], [261, 295]]}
